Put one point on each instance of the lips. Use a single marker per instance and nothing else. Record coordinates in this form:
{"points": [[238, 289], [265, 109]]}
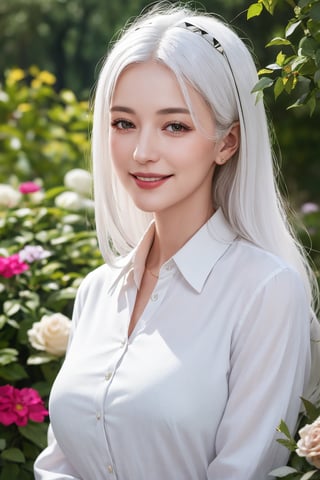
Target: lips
{"points": [[149, 180]]}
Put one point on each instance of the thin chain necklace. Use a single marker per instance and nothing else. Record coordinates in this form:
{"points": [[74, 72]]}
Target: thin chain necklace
{"points": [[153, 274]]}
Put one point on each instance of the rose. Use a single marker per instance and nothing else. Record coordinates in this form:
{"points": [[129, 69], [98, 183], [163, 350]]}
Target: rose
{"points": [[51, 334], [12, 265], [18, 406], [70, 201], [78, 180], [29, 187], [9, 197], [309, 443]]}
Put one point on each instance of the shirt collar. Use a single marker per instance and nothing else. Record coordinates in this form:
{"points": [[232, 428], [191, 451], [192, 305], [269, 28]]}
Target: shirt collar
{"points": [[198, 256], [194, 260]]}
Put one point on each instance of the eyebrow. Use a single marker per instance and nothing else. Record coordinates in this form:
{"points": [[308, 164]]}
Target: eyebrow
{"points": [[163, 111]]}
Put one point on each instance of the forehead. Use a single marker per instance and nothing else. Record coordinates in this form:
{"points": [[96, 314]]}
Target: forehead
{"points": [[154, 85]]}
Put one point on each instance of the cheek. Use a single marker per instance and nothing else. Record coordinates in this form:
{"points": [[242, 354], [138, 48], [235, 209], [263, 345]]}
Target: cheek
{"points": [[118, 151]]}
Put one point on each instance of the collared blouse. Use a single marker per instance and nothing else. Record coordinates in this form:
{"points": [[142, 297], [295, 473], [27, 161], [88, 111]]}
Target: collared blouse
{"points": [[219, 356]]}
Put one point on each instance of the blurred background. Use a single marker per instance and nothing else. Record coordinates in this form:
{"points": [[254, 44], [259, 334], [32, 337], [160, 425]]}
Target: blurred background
{"points": [[69, 38]]}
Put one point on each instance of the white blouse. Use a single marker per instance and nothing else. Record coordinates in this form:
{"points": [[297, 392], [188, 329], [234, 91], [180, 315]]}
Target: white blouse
{"points": [[219, 356]]}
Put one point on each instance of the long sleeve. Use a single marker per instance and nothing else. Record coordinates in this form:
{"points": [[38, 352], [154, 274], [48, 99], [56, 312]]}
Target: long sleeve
{"points": [[52, 463], [270, 363]]}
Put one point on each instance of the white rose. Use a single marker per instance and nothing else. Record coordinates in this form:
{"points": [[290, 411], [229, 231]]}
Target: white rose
{"points": [[79, 180], [309, 443], [9, 197], [51, 334], [69, 200]]}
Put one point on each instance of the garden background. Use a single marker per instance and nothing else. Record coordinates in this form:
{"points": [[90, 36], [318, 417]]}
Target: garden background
{"points": [[50, 56]]}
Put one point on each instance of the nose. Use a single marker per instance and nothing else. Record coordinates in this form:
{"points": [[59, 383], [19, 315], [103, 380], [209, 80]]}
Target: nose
{"points": [[146, 149]]}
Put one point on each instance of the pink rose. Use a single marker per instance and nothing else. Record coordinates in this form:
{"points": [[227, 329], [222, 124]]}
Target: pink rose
{"points": [[29, 187], [12, 265], [20, 405], [309, 443]]}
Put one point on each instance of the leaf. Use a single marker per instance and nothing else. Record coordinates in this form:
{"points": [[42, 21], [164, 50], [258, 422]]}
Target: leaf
{"points": [[36, 433], [311, 410], [12, 373], [8, 355], [308, 475], [263, 83], [282, 472], [307, 47], [2, 443], [40, 358], [284, 429], [254, 10], [13, 455], [11, 307], [280, 58], [315, 12], [291, 28], [265, 71], [289, 444], [278, 41], [278, 87]]}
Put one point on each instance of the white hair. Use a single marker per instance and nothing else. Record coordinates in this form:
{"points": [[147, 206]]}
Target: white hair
{"points": [[245, 186]]}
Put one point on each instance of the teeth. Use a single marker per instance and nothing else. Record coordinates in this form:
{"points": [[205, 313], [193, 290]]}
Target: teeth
{"points": [[149, 179]]}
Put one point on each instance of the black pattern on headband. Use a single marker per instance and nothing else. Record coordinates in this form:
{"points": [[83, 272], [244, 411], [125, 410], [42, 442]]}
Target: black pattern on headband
{"points": [[207, 36]]}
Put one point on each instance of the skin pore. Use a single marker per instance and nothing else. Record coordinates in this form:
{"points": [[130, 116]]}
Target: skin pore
{"points": [[165, 161]]}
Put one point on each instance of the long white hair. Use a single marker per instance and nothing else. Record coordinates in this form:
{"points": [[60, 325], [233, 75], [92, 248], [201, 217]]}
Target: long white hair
{"points": [[245, 186]]}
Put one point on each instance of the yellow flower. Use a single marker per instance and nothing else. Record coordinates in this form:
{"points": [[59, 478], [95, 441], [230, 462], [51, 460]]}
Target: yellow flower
{"points": [[15, 75], [24, 107], [47, 78]]}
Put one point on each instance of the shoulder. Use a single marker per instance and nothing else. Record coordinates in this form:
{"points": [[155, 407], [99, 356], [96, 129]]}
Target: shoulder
{"points": [[255, 269], [101, 278]]}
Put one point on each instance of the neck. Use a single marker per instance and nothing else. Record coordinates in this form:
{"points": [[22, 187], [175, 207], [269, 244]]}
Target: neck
{"points": [[172, 231]]}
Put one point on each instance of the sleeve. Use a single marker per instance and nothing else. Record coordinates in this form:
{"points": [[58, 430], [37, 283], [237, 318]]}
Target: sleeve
{"points": [[52, 464], [270, 365]]}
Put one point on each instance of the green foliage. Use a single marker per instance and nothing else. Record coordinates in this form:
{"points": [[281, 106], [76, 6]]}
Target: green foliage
{"points": [[296, 68], [47, 287], [43, 133]]}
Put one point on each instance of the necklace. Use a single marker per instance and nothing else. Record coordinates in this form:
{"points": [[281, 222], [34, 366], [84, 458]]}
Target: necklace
{"points": [[153, 274]]}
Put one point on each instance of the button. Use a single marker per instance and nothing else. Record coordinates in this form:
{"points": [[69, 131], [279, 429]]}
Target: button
{"points": [[154, 297], [169, 267], [123, 342], [110, 469], [98, 416], [108, 376]]}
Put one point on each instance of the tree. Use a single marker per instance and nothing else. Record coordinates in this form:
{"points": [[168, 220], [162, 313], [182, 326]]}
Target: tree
{"points": [[296, 69]]}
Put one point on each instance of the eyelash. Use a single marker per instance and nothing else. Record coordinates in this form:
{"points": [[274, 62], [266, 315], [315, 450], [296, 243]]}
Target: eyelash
{"points": [[117, 124], [182, 127], [122, 124]]}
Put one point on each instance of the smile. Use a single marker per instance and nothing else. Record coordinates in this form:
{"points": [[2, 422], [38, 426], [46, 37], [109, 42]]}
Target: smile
{"points": [[149, 181]]}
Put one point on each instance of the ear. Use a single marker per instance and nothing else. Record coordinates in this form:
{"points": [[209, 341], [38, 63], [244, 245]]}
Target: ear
{"points": [[229, 144]]}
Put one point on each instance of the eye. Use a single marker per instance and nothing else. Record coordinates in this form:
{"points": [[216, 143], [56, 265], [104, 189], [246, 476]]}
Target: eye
{"points": [[177, 127], [122, 124]]}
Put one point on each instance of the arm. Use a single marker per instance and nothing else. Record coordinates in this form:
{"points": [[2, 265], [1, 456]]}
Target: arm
{"points": [[52, 464], [270, 363]]}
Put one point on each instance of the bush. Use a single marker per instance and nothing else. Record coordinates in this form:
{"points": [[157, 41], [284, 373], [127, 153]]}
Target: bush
{"points": [[43, 133], [48, 244]]}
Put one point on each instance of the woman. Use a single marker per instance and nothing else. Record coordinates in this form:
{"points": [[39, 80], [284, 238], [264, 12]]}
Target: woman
{"points": [[193, 341]]}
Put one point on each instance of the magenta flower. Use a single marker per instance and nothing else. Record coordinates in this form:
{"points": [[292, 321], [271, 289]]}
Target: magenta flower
{"points": [[12, 265], [29, 187], [20, 405]]}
